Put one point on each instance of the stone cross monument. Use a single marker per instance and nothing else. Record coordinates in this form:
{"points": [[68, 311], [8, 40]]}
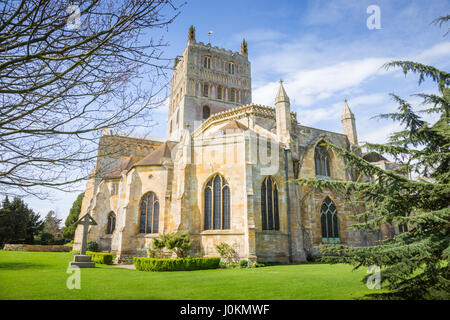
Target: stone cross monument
{"points": [[82, 260]]}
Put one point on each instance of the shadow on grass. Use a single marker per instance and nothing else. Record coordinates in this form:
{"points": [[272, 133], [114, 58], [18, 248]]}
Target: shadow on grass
{"points": [[20, 265]]}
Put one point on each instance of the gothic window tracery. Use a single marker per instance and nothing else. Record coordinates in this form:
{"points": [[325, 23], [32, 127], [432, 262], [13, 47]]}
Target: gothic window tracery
{"points": [[322, 161], [329, 222], [217, 204], [269, 205], [111, 223], [149, 213]]}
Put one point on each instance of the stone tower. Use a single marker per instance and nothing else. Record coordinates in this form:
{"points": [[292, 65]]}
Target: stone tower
{"points": [[283, 115], [206, 80], [348, 123]]}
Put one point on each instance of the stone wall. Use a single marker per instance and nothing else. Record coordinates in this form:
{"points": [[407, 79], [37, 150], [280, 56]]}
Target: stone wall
{"points": [[39, 248]]}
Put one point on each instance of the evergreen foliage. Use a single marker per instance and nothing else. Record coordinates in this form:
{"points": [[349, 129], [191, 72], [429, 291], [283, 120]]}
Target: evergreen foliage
{"points": [[414, 264], [183, 264], [176, 242], [18, 223], [69, 230]]}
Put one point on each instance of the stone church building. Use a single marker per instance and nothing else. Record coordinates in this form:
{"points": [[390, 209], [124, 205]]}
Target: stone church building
{"points": [[222, 172]]}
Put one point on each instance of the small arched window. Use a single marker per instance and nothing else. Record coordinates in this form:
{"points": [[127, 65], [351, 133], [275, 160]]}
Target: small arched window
{"points": [[149, 213], [233, 95], [111, 223], [270, 217], [207, 62], [230, 67], [329, 222], [206, 112], [322, 161], [205, 90], [219, 92], [217, 204]]}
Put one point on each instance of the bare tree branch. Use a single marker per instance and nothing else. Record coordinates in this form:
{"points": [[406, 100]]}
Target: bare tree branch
{"points": [[60, 85]]}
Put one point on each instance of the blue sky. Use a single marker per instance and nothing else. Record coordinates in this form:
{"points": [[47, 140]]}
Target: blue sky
{"points": [[322, 50]]}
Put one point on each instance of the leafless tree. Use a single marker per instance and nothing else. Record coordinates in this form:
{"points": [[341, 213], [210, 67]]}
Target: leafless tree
{"points": [[69, 69]]}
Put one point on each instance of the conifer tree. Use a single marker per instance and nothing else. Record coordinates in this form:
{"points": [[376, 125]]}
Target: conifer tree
{"points": [[18, 223], [69, 229], [414, 264]]}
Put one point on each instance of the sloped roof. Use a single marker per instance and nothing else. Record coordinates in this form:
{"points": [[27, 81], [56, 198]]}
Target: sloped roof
{"points": [[126, 164], [156, 156], [233, 126], [373, 157]]}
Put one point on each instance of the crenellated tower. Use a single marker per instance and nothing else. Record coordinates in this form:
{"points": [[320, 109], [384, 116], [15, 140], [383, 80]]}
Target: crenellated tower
{"points": [[206, 80]]}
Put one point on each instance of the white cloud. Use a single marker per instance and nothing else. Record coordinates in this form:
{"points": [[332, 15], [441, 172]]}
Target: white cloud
{"points": [[440, 50], [307, 87], [377, 133]]}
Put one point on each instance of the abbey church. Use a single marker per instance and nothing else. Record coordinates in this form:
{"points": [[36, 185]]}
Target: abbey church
{"points": [[223, 171]]}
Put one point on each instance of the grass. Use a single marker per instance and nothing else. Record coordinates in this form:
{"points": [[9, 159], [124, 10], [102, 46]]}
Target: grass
{"points": [[42, 275]]}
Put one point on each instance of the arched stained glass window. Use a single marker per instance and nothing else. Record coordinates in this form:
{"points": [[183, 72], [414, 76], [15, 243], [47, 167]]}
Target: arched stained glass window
{"points": [[269, 205], [329, 222], [111, 223], [149, 214], [217, 204], [322, 161]]}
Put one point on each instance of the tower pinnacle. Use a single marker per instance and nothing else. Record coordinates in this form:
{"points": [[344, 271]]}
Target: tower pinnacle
{"points": [[244, 48], [348, 124], [283, 115], [191, 34], [281, 95]]}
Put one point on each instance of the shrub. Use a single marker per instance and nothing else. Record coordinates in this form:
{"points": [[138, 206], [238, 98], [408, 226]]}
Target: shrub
{"points": [[183, 264], [59, 241], [178, 243], [101, 257], [92, 246], [155, 249], [46, 238], [98, 257], [227, 253], [243, 263]]}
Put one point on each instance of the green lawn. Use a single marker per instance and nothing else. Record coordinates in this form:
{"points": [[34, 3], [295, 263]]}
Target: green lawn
{"points": [[39, 275]]}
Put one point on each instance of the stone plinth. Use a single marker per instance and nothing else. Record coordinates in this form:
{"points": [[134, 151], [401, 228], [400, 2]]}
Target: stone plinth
{"points": [[82, 261]]}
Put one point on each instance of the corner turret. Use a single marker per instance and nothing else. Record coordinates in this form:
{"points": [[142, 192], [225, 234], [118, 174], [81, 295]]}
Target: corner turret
{"points": [[283, 115], [348, 124]]}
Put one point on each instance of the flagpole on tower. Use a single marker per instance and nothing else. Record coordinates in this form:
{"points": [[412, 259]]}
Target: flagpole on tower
{"points": [[209, 36]]}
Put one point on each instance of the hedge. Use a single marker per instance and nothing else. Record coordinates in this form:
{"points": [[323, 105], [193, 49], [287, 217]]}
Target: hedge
{"points": [[99, 257], [183, 264]]}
